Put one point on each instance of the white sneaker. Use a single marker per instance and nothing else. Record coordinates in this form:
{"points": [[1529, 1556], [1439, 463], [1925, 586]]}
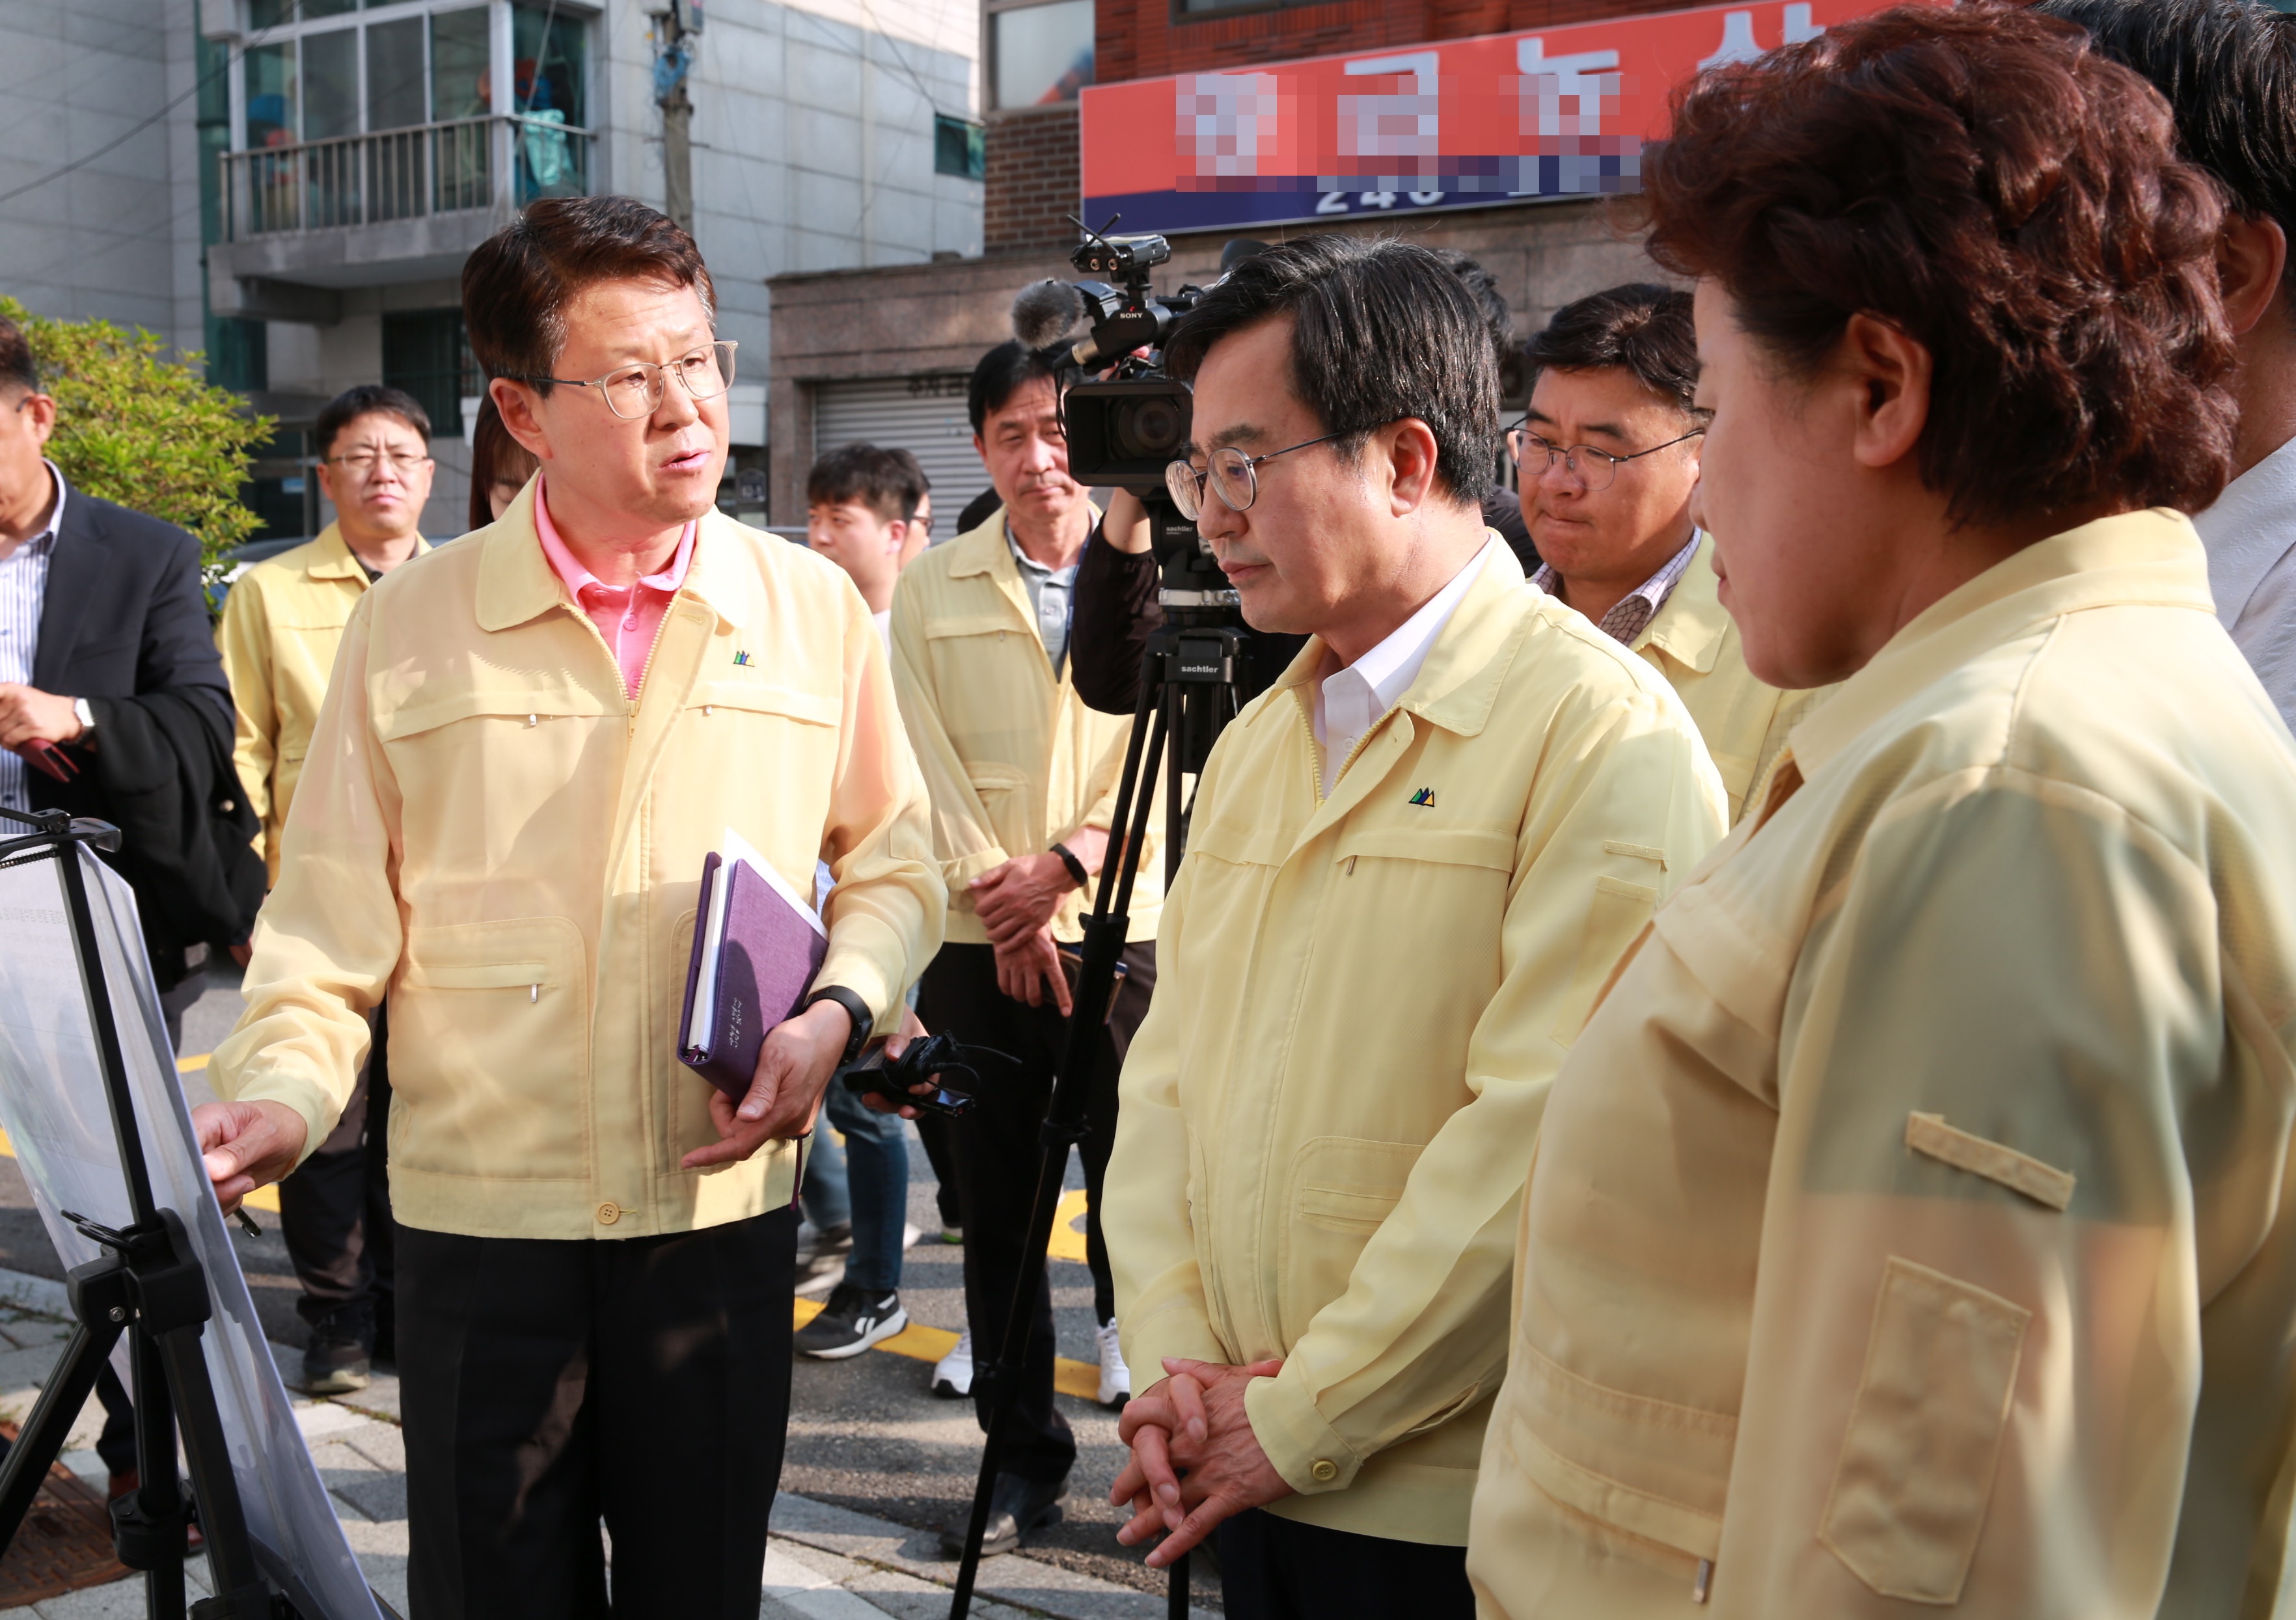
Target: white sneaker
{"points": [[952, 1375], [1115, 1377]]}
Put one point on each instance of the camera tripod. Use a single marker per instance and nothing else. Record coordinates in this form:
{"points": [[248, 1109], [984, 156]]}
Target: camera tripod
{"points": [[1189, 692]]}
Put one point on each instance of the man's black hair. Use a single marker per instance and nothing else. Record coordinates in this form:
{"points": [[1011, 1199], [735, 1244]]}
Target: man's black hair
{"points": [[1003, 372], [979, 510], [888, 482], [1380, 330], [1642, 326], [1483, 287], [18, 368], [368, 399], [2227, 68]]}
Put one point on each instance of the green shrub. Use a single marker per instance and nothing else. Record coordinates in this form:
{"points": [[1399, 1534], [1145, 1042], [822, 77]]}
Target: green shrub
{"points": [[135, 427]]}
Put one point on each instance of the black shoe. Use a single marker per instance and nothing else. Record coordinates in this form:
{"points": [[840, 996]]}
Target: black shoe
{"points": [[336, 1362], [1017, 1508], [854, 1319], [334, 1366]]}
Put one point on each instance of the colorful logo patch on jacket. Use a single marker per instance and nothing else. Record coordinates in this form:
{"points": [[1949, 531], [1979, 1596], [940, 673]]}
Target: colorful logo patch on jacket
{"points": [[1424, 799], [740, 657]]}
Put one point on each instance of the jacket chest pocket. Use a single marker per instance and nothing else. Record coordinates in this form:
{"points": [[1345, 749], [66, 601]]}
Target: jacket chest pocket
{"points": [[740, 742], [490, 1051], [472, 755], [985, 666], [1422, 891]]}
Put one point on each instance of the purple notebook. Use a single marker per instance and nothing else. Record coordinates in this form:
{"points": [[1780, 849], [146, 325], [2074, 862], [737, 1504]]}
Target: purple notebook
{"points": [[756, 948]]}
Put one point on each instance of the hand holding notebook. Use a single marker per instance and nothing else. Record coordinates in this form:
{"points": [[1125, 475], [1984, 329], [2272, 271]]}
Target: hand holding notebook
{"points": [[757, 947]]}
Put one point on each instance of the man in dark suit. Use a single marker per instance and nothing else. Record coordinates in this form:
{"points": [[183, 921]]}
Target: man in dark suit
{"points": [[112, 698]]}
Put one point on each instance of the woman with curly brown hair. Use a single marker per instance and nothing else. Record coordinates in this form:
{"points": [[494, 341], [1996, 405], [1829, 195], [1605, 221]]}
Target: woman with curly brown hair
{"points": [[1910, 1223]]}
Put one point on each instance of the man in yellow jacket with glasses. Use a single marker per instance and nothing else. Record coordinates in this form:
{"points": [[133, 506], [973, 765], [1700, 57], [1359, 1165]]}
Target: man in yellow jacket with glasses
{"points": [[1412, 864], [1023, 778], [281, 625], [534, 739]]}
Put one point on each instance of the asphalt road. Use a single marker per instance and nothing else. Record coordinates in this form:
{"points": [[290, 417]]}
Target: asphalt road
{"points": [[865, 1433]]}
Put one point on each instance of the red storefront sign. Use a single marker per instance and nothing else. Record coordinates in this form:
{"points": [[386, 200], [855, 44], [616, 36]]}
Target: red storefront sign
{"points": [[1534, 117]]}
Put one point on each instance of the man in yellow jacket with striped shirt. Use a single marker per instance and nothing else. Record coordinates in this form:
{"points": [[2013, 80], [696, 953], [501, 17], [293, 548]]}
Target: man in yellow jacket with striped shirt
{"points": [[1412, 864]]}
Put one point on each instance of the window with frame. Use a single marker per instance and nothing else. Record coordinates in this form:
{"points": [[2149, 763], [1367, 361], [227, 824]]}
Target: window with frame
{"points": [[960, 147], [319, 69], [1039, 52]]}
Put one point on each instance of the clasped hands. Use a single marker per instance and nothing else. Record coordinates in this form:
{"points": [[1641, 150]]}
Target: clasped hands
{"points": [[1194, 1459], [1016, 903]]}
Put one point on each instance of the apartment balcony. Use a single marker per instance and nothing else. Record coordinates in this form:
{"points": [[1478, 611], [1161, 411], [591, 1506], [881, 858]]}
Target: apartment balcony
{"points": [[301, 222]]}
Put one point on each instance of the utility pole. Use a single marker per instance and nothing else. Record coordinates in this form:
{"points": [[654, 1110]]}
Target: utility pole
{"points": [[674, 33]]}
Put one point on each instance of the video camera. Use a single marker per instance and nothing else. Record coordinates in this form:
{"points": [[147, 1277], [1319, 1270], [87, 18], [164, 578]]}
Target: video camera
{"points": [[1125, 429]]}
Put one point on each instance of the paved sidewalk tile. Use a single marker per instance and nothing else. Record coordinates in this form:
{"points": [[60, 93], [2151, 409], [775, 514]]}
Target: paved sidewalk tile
{"points": [[822, 1562]]}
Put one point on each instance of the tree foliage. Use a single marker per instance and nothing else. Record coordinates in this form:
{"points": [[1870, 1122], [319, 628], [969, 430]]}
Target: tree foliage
{"points": [[136, 427]]}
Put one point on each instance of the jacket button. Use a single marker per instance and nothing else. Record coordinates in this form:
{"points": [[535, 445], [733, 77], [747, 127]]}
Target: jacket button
{"points": [[611, 1212], [1324, 1470]]}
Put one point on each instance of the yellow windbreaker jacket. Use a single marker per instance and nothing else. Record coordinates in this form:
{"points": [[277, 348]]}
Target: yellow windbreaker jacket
{"points": [[489, 830], [1693, 641], [1327, 1115], [1912, 1223], [1013, 758], [281, 622]]}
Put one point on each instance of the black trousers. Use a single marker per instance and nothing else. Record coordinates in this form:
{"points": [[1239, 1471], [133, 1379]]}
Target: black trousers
{"points": [[998, 1153], [335, 1213], [547, 1385], [1275, 1569]]}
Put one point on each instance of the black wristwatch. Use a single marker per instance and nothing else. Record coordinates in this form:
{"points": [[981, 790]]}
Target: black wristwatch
{"points": [[864, 1022], [1068, 858]]}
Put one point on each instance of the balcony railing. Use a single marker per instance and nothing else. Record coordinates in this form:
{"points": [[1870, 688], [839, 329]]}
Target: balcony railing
{"points": [[404, 174]]}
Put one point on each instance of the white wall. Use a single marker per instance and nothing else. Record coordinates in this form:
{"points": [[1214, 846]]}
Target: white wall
{"points": [[813, 140], [76, 77], [813, 150]]}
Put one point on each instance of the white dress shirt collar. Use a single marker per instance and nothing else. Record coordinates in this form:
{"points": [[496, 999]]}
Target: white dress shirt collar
{"points": [[2249, 530], [1351, 700]]}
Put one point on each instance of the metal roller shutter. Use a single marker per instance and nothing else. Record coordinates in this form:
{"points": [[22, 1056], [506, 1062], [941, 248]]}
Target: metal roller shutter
{"points": [[924, 415]]}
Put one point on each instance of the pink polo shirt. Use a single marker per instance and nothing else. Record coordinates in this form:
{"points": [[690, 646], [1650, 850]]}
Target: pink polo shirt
{"points": [[629, 617]]}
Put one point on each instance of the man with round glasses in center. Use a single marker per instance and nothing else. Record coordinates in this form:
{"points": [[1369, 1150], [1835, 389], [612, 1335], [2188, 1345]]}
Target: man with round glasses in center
{"points": [[1609, 451], [534, 739], [1412, 863]]}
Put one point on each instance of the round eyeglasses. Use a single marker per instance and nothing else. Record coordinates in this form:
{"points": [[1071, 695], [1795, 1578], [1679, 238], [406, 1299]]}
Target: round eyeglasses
{"points": [[1595, 470], [635, 391], [364, 463], [1229, 470]]}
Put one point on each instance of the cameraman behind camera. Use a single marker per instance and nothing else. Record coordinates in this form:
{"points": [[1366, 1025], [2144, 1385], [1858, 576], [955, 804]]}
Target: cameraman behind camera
{"points": [[1116, 608], [1413, 863], [1023, 779]]}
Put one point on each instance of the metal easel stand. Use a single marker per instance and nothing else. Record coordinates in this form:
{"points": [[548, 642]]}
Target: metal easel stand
{"points": [[1189, 687], [151, 1286]]}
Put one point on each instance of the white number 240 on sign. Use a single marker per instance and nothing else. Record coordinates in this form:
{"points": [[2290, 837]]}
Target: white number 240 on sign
{"points": [[1351, 202]]}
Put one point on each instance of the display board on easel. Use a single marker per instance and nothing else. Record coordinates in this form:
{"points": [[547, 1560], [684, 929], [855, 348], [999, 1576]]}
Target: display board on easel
{"points": [[55, 1104]]}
